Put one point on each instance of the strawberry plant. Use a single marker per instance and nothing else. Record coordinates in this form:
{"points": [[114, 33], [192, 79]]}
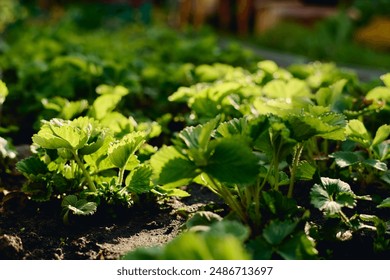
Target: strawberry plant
{"points": [[331, 196], [241, 161], [365, 156], [76, 161]]}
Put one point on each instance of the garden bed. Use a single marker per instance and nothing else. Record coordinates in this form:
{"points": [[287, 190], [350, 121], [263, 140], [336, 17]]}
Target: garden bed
{"points": [[35, 231]]}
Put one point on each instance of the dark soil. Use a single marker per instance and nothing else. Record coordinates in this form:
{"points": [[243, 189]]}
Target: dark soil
{"points": [[30, 230]]}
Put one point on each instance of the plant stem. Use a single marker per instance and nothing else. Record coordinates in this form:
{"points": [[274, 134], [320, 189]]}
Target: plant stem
{"points": [[91, 184], [228, 197], [121, 175], [297, 156], [345, 218], [276, 161]]}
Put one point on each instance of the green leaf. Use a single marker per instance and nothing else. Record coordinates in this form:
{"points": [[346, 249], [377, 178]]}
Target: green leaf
{"points": [[385, 203], [218, 243], [386, 79], [94, 143], [170, 192], [331, 96], [65, 109], [381, 135], [138, 180], [78, 206], [205, 108], [103, 105], [375, 164], [379, 93], [331, 196], [305, 170], [120, 152], [232, 162], [3, 92], [112, 90], [260, 249], [286, 89], [277, 231], [197, 138], [39, 189], [356, 131], [226, 227], [64, 134], [299, 247], [317, 122], [99, 161], [32, 166], [172, 168], [118, 123], [233, 127], [278, 204], [344, 159], [202, 218]]}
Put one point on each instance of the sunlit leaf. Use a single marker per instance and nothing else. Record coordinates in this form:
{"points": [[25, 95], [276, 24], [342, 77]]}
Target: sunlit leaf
{"points": [[385, 203], [3, 92], [121, 151], [381, 135], [356, 131], [379, 93], [386, 79], [103, 105], [198, 137], [328, 125], [112, 90]]}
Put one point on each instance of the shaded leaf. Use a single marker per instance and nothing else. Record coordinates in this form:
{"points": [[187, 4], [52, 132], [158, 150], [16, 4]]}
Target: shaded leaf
{"points": [[375, 164], [299, 247], [277, 231], [344, 159], [332, 195], [232, 162], [172, 168], [203, 218], [32, 166], [139, 180], [305, 171], [78, 206]]}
